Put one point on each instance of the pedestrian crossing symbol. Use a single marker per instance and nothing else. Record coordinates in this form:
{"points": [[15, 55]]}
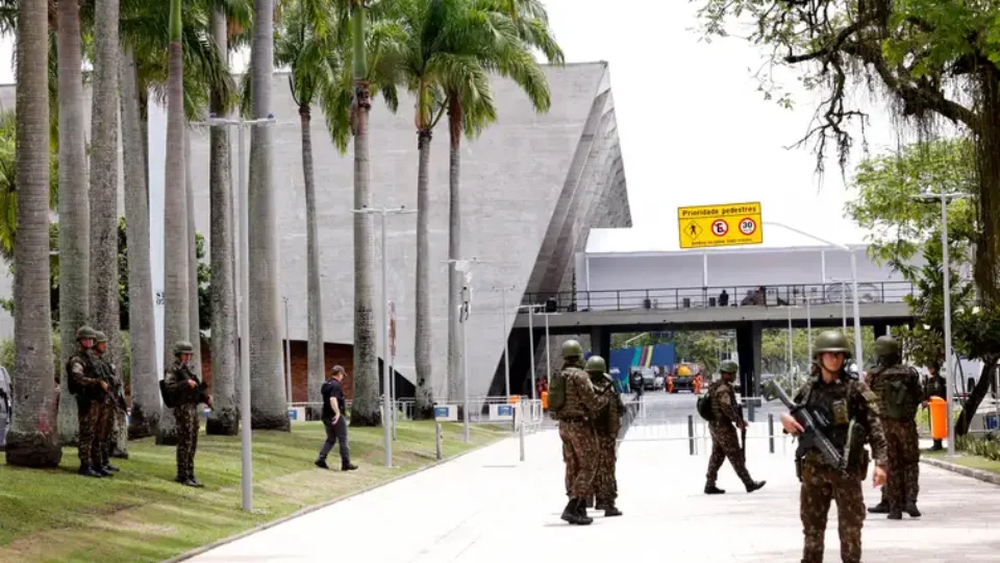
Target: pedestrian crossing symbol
{"points": [[692, 230]]}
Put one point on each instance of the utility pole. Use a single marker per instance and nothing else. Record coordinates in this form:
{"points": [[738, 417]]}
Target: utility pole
{"points": [[506, 337], [246, 465], [946, 266], [383, 212], [531, 346], [288, 357]]}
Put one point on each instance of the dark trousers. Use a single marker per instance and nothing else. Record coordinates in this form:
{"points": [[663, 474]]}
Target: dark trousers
{"points": [[336, 433]]}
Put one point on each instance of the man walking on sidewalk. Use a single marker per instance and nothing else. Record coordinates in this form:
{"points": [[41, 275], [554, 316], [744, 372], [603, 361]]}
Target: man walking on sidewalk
{"points": [[334, 421]]}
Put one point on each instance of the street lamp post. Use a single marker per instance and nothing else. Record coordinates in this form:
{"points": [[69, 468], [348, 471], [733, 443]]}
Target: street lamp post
{"points": [[946, 266], [288, 358], [506, 337], [531, 347], [854, 281], [246, 458], [383, 212]]}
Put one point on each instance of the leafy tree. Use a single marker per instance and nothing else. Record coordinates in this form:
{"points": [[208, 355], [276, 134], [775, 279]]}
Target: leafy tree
{"points": [[930, 59]]}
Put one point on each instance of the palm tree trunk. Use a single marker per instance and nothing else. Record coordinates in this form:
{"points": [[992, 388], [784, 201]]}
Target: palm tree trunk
{"points": [[145, 416], [267, 393], [74, 206], [32, 439], [176, 325], [317, 366], [424, 322], [455, 381], [223, 419], [104, 290], [365, 408], [194, 316]]}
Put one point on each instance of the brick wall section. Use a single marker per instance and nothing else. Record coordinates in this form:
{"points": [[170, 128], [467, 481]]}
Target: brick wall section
{"points": [[336, 354]]}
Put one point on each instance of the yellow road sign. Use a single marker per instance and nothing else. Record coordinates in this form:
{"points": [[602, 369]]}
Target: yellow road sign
{"points": [[731, 224]]}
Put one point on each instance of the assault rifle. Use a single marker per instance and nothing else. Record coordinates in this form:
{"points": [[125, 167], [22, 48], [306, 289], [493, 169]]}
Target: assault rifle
{"points": [[812, 423]]}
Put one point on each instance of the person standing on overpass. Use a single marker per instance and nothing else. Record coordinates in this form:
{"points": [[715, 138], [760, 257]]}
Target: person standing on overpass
{"points": [[724, 441]]}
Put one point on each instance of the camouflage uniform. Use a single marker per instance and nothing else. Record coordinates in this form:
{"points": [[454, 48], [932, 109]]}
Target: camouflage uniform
{"points": [[577, 432], [725, 444], [90, 394], [843, 400], [186, 400], [607, 423], [902, 442], [109, 405]]}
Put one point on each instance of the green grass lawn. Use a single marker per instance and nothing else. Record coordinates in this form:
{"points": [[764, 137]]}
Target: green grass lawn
{"points": [[142, 515], [966, 460]]}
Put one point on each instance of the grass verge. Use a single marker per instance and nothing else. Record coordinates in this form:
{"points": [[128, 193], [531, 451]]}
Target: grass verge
{"points": [[142, 515], [966, 460]]}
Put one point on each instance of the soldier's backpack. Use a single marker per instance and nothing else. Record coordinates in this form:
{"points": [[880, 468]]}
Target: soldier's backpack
{"points": [[897, 400], [168, 398], [704, 405], [557, 393]]}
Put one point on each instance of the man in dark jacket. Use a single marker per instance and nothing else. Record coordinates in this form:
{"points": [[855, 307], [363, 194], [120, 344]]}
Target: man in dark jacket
{"points": [[335, 421]]}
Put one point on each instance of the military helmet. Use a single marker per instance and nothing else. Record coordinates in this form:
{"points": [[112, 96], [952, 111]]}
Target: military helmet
{"points": [[832, 341], [100, 336], [183, 347], [85, 332], [572, 349], [729, 366], [886, 346], [596, 364]]}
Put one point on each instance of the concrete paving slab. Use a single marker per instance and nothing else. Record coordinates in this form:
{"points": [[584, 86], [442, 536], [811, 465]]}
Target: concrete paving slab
{"points": [[489, 507]]}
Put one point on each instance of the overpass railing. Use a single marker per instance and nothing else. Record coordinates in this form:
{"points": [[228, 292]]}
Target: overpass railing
{"points": [[721, 296]]}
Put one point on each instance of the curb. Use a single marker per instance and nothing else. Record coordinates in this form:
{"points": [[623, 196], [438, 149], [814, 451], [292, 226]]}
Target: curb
{"points": [[303, 511], [979, 474]]}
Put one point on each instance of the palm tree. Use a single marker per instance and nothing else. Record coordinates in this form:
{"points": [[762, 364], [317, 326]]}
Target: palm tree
{"points": [[74, 205], [382, 42], [268, 407], [306, 45], [32, 439], [176, 294], [104, 290], [501, 36], [223, 420], [145, 412]]}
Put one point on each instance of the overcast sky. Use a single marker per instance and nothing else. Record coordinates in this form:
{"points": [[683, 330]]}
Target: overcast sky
{"points": [[694, 129]]}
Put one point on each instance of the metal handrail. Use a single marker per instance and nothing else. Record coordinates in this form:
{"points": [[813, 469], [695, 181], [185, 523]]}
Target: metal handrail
{"points": [[709, 297]]}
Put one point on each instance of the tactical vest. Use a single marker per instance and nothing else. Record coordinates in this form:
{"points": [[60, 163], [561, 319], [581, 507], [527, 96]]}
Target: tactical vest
{"points": [[833, 405]]}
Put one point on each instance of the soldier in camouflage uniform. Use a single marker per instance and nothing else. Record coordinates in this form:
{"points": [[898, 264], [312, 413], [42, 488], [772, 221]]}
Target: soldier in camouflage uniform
{"points": [[607, 422], [725, 414], [114, 401], [577, 432], [897, 387], [852, 410], [187, 392], [935, 386], [90, 390]]}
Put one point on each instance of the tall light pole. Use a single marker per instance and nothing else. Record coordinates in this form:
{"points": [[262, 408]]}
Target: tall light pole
{"points": [[548, 348], [383, 212], [288, 357], [506, 337], [854, 280], [246, 458], [531, 346], [946, 266]]}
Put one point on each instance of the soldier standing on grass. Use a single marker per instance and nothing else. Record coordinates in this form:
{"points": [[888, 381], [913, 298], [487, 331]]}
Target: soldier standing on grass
{"points": [[573, 402], [725, 444], [852, 410], [90, 390], [897, 387], [113, 400], [186, 393], [607, 424]]}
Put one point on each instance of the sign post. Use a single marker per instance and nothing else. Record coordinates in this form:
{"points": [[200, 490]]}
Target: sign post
{"points": [[730, 224]]}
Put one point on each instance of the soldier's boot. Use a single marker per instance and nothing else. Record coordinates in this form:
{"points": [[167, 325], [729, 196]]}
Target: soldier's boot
{"points": [[713, 490], [88, 471], [571, 513], [755, 486], [192, 482], [911, 509], [880, 508], [111, 468], [590, 502], [600, 505], [101, 471], [612, 511], [894, 512]]}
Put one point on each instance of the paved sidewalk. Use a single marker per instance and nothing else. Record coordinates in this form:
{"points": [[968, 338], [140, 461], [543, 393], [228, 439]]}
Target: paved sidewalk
{"points": [[489, 507]]}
